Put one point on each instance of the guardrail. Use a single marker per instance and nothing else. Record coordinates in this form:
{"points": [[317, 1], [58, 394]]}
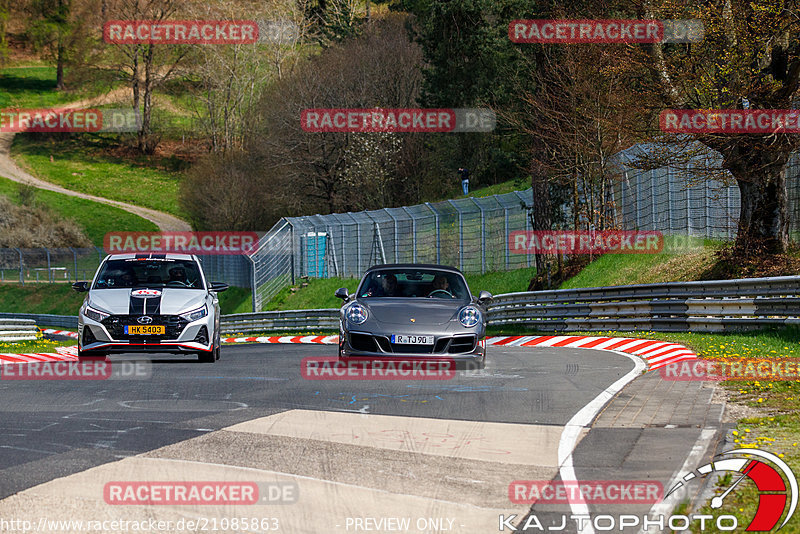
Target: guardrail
{"points": [[707, 306], [281, 321], [17, 329]]}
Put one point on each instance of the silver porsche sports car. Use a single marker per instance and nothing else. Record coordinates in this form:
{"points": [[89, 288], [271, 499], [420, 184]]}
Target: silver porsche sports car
{"points": [[413, 310], [149, 303]]}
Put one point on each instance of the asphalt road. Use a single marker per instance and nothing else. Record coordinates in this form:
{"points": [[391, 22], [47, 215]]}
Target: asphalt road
{"points": [[421, 450]]}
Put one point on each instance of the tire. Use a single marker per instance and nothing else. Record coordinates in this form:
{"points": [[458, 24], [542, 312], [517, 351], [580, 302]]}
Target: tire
{"points": [[218, 348], [206, 357], [84, 356]]}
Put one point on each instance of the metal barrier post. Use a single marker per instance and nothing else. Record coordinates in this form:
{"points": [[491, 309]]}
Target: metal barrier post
{"points": [[21, 274], [49, 272], [413, 234], [75, 264], [436, 222], [483, 236], [505, 216]]}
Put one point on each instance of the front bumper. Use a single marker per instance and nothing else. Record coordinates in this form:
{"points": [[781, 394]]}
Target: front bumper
{"points": [[461, 347], [181, 336]]}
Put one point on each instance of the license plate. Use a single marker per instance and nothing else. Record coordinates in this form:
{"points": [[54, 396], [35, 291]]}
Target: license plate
{"points": [[145, 330], [412, 340]]}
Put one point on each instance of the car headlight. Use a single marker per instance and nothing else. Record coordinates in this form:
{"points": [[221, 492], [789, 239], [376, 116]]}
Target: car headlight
{"points": [[469, 316], [94, 315], [356, 314], [194, 315]]}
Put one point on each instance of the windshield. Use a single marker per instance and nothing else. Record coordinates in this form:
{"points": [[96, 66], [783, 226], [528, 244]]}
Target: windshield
{"points": [[414, 283], [122, 274]]}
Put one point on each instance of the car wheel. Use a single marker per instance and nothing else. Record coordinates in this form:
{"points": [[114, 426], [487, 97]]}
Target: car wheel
{"points": [[206, 356], [87, 356], [217, 348]]}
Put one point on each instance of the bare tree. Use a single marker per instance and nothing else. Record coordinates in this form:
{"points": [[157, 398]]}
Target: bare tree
{"points": [[145, 66], [231, 77]]}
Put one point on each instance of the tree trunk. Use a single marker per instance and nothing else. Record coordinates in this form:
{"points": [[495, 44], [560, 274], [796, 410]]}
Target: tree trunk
{"points": [[759, 173], [145, 143], [541, 219], [763, 220], [60, 66]]}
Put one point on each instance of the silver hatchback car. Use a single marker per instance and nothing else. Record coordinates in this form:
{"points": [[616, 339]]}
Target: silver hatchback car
{"points": [[151, 303]]}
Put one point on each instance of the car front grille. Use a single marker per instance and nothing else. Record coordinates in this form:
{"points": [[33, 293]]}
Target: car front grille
{"points": [[412, 349], [115, 324], [363, 342], [443, 345], [462, 344]]}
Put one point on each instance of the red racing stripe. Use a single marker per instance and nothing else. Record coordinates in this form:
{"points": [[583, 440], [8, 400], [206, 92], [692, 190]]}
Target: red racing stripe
{"points": [[508, 340], [567, 341], [595, 342]]}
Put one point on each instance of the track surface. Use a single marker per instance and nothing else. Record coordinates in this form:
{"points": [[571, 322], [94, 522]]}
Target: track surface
{"points": [[356, 449]]}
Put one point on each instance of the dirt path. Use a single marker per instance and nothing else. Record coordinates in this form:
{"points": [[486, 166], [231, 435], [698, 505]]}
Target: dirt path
{"points": [[10, 170]]}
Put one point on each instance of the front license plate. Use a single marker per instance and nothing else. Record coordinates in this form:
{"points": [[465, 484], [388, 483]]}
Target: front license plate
{"points": [[412, 340], [145, 330]]}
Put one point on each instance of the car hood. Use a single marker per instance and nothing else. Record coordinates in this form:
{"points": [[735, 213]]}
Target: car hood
{"points": [[402, 310], [171, 302]]}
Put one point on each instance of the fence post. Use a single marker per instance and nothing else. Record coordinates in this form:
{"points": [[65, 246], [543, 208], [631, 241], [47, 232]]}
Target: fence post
{"points": [[358, 244], [21, 273], [396, 237], [505, 216], [436, 222], [413, 235], [74, 264], [49, 271], [253, 282], [460, 236], [483, 236]]}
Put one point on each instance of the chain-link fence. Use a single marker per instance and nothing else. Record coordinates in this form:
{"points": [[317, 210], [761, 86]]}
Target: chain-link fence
{"points": [[471, 234], [685, 200], [54, 265]]}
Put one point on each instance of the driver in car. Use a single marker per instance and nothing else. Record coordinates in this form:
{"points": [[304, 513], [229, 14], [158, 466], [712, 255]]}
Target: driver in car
{"points": [[178, 275], [388, 287], [441, 283]]}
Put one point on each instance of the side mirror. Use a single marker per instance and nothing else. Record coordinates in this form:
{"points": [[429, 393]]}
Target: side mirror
{"points": [[81, 287], [342, 293], [484, 297], [218, 287]]}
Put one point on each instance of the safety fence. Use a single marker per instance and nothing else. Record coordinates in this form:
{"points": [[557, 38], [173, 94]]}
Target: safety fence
{"points": [[706, 306], [469, 233], [694, 197], [63, 265]]}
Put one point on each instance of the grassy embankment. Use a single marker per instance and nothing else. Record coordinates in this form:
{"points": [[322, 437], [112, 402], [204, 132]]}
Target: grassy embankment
{"points": [[60, 299]]}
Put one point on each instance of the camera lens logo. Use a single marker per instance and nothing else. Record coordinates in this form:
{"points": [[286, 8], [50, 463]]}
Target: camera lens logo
{"points": [[773, 493]]}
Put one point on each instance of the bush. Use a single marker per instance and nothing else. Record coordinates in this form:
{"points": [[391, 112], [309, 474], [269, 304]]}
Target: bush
{"points": [[32, 226]]}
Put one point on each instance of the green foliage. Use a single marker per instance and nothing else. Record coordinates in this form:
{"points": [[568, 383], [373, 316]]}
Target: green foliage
{"points": [[93, 218], [83, 163]]}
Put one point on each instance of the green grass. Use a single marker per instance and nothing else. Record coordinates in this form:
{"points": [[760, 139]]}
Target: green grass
{"points": [[60, 299], [84, 163], [520, 184], [625, 269], [39, 345], [35, 87], [236, 300], [95, 218], [779, 435], [318, 293]]}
